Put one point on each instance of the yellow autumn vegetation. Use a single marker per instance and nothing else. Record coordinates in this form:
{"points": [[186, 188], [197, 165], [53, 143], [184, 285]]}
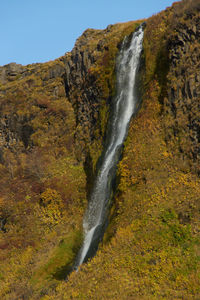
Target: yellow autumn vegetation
{"points": [[151, 247]]}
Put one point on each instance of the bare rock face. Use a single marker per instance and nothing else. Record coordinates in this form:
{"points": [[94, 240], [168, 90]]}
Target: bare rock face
{"points": [[55, 71], [13, 130], [183, 102], [69, 76], [80, 84], [10, 71]]}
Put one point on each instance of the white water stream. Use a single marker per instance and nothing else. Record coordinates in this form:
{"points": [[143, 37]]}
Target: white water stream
{"points": [[124, 106]]}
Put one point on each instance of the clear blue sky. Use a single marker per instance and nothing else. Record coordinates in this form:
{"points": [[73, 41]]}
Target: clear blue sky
{"points": [[42, 30]]}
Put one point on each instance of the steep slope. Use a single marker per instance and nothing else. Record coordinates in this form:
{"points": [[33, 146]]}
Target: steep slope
{"points": [[53, 118], [151, 249]]}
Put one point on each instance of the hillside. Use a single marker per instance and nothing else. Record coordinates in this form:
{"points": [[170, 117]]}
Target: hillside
{"points": [[53, 119]]}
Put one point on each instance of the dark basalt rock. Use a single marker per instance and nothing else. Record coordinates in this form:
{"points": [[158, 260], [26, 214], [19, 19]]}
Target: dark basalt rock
{"points": [[73, 69], [183, 100]]}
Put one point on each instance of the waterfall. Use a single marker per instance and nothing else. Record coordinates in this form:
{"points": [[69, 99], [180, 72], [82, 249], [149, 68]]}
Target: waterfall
{"points": [[125, 104]]}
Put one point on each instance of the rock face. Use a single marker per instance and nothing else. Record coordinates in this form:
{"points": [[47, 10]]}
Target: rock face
{"points": [[183, 100], [72, 70], [13, 130], [77, 84], [80, 85], [79, 76], [10, 71]]}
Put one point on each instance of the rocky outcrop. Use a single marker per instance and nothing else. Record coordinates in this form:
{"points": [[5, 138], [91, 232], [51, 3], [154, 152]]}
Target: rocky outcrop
{"points": [[80, 88], [80, 83], [183, 102], [9, 72], [14, 129], [84, 77], [74, 71]]}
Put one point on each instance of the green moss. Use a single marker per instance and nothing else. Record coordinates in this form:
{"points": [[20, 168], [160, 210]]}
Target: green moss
{"points": [[61, 260]]}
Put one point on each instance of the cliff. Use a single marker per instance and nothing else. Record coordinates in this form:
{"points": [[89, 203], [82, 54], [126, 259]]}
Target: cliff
{"points": [[52, 126]]}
